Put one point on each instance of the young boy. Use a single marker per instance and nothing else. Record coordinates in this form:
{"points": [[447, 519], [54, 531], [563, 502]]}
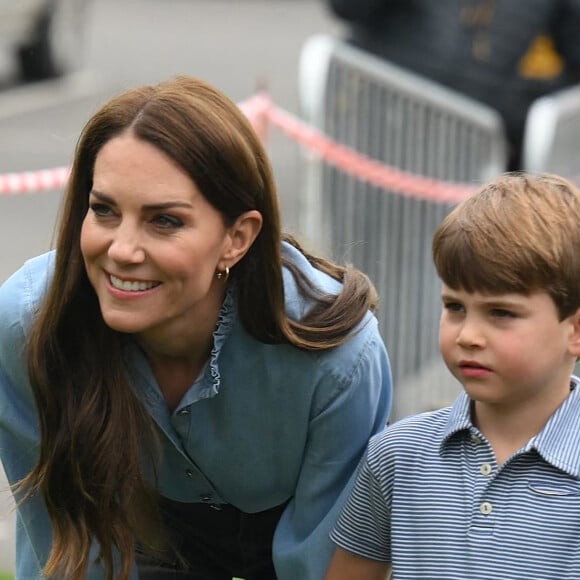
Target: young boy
{"points": [[488, 488]]}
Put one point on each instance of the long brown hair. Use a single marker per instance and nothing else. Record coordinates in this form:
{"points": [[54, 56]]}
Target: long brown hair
{"points": [[97, 449]]}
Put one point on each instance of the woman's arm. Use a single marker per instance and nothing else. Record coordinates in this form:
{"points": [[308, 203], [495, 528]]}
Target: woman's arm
{"points": [[347, 413], [347, 566], [19, 432]]}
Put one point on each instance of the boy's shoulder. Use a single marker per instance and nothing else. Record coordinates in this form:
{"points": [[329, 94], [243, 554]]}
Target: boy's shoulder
{"points": [[420, 434]]}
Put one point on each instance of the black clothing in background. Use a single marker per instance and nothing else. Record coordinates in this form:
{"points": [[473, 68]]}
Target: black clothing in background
{"points": [[504, 53]]}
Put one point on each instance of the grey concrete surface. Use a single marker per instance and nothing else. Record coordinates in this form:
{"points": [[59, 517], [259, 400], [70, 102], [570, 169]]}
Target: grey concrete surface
{"points": [[237, 45]]}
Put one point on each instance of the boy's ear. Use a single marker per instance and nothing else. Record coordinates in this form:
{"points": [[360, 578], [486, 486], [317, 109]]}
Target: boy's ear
{"points": [[574, 340]]}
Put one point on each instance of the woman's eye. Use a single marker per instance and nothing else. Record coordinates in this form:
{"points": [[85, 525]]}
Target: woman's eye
{"points": [[167, 221], [101, 210]]}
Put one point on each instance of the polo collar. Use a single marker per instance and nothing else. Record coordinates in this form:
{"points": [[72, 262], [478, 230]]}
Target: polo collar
{"points": [[558, 442], [459, 419]]}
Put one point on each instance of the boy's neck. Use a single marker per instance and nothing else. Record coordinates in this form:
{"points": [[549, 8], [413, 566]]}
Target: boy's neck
{"points": [[508, 429], [506, 434]]}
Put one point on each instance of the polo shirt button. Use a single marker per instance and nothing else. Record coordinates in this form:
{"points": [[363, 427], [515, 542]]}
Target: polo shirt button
{"points": [[485, 508], [189, 473], [485, 469], [184, 411], [475, 439]]}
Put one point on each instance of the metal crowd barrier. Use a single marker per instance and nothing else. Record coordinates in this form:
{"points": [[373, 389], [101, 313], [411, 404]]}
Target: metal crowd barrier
{"points": [[552, 134], [408, 122]]}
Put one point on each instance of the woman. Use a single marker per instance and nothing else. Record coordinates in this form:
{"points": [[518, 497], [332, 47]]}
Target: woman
{"points": [[184, 392]]}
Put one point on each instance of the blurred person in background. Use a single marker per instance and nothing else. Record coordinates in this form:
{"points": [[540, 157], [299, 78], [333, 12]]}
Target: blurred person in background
{"points": [[503, 53], [184, 391]]}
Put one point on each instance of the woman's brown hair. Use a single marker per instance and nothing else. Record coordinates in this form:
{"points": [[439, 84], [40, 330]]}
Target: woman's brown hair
{"points": [[97, 451]]}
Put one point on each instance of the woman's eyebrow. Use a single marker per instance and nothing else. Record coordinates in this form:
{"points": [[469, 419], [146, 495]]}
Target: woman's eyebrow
{"points": [[147, 207], [102, 197], [167, 205]]}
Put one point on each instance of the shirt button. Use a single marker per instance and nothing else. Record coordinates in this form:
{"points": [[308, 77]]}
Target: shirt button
{"points": [[189, 473], [475, 439], [485, 508], [184, 411], [485, 469]]}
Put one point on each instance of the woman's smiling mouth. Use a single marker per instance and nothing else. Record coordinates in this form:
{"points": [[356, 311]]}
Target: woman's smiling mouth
{"points": [[132, 285]]}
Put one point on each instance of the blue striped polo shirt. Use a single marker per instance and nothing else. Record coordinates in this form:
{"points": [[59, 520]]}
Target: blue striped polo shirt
{"points": [[431, 499]]}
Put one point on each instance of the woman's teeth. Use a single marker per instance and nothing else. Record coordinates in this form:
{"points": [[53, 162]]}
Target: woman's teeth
{"points": [[131, 286]]}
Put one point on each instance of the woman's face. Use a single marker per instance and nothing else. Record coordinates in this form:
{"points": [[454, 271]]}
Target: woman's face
{"points": [[152, 244]]}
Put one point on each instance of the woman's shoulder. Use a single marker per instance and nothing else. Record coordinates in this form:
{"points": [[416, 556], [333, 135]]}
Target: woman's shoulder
{"points": [[297, 302], [365, 338], [20, 297], [22, 293]]}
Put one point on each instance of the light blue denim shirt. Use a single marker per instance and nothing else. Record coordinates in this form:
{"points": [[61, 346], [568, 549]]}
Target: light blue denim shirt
{"points": [[262, 425]]}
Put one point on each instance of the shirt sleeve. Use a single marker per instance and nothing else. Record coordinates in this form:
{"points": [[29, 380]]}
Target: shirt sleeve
{"points": [[339, 432], [19, 435], [19, 428], [363, 527]]}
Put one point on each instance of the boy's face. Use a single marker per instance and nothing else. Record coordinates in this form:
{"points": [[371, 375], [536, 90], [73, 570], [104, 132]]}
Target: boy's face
{"points": [[508, 350]]}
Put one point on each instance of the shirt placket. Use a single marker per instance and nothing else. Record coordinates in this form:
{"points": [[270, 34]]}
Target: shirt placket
{"points": [[483, 471]]}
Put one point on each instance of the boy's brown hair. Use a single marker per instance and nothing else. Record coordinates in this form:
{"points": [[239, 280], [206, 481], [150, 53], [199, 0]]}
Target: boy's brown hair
{"points": [[518, 233]]}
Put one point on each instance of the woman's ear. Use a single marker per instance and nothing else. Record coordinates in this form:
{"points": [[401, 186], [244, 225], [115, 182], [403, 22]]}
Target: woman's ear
{"points": [[242, 235]]}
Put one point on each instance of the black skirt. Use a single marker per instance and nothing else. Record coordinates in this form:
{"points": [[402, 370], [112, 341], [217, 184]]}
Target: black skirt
{"points": [[213, 542]]}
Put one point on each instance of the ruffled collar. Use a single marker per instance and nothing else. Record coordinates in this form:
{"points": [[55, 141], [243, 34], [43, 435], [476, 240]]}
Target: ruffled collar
{"points": [[208, 382], [224, 325]]}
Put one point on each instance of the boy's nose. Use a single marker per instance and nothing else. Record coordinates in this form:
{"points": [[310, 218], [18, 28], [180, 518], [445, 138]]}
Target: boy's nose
{"points": [[470, 335]]}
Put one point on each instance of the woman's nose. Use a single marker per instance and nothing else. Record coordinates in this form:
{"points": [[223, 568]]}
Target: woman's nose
{"points": [[126, 246]]}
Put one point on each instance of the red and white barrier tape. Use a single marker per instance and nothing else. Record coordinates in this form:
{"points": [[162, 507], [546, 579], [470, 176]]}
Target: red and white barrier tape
{"points": [[256, 109], [262, 112], [350, 161], [33, 181]]}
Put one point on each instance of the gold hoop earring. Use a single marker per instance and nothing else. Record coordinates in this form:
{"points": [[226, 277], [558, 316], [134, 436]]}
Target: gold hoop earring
{"points": [[223, 275]]}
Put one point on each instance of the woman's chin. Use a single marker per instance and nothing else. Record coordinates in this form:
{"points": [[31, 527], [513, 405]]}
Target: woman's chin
{"points": [[127, 324]]}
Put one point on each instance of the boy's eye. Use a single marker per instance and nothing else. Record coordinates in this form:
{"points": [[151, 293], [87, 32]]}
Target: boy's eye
{"points": [[167, 221], [453, 306], [502, 313]]}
